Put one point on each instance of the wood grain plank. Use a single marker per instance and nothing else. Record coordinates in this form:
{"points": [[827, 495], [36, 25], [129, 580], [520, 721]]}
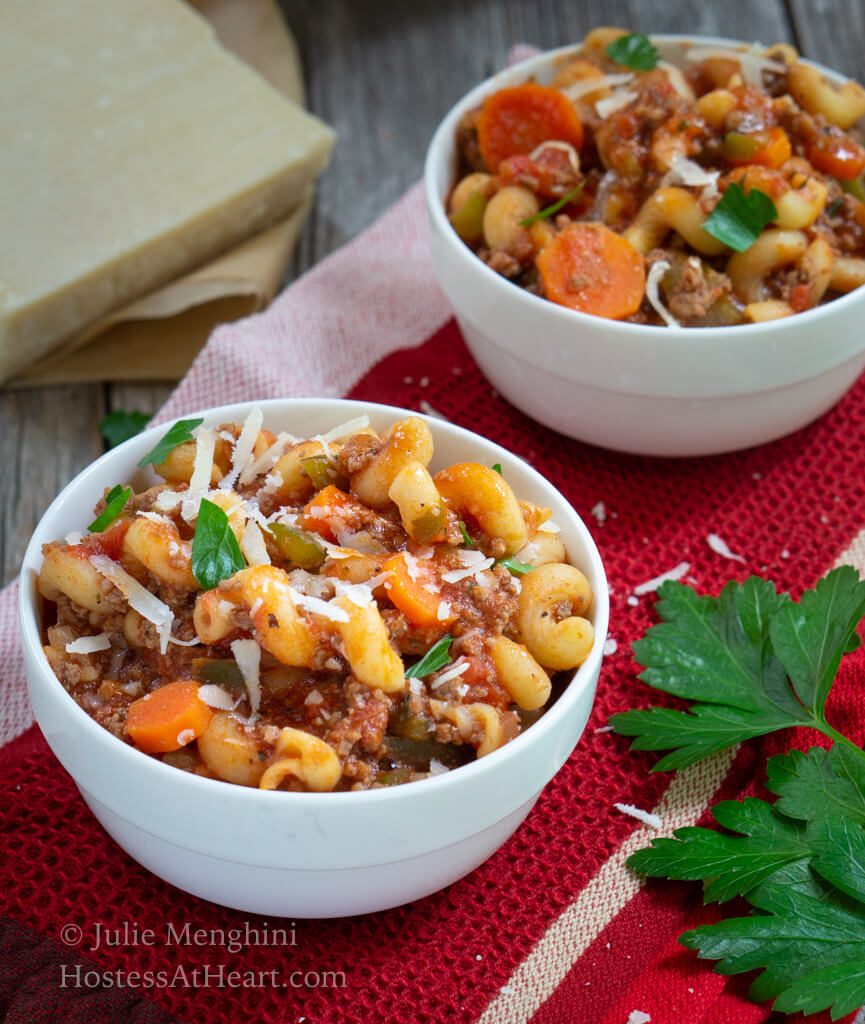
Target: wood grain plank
{"points": [[47, 436], [384, 72], [831, 32]]}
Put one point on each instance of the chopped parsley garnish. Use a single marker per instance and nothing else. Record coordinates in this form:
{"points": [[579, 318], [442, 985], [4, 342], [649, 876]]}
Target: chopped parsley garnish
{"points": [[435, 658], [180, 433], [115, 502], [517, 568], [553, 208], [634, 51], [118, 426], [469, 543], [738, 218], [497, 466], [216, 554], [752, 661]]}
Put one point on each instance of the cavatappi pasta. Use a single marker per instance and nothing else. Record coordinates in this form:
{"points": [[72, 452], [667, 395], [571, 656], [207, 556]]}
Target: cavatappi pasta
{"points": [[605, 190], [314, 614]]}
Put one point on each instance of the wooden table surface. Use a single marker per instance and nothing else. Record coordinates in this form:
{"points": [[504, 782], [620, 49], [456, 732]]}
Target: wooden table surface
{"points": [[383, 72]]}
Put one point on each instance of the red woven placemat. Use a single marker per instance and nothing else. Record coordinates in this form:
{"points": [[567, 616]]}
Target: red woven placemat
{"points": [[552, 928]]}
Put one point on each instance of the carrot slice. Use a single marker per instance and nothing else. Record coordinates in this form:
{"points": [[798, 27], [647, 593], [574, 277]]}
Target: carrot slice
{"points": [[414, 596], [330, 503], [519, 119], [590, 268], [168, 718]]}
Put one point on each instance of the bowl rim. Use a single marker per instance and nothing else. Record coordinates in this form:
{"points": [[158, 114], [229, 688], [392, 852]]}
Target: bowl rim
{"points": [[445, 133], [29, 621]]}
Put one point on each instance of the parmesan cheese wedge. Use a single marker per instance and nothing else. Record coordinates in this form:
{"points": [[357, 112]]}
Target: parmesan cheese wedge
{"points": [[136, 148]]}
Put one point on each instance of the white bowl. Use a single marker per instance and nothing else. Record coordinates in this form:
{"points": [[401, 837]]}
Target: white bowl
{"points": [[631, 387], [306, 854]]}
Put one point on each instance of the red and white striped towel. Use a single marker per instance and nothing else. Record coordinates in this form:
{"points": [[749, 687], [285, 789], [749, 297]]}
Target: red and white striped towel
{"points": [[552, 929]]}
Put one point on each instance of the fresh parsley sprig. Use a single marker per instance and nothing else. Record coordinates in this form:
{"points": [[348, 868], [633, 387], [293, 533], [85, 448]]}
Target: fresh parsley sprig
{"points": [[216, 555], [545, 214], [180, 433], [115, 502], [435, 658], [739, 217], [634, 51], [118, 426], [753, 661]]}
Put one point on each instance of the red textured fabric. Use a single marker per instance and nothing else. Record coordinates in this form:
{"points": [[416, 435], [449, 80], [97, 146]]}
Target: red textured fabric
{"points": [[788, 508]]}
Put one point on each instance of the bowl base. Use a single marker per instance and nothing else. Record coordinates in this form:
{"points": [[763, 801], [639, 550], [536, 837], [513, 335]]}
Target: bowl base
{"points": [[301, 893]]}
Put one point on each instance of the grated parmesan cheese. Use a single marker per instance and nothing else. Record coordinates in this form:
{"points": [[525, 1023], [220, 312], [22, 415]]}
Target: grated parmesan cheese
{"points": [[185, 736], [752, 61], [650, 586], [677, 80], [428, 410], [345, 429], [453, 671], [549, 527], [156, 517], [247, 654], [437, 768], [720, 547], [268, 459], [638, 1017], [140, 599], [202, 468], [216, 697], [358, 593], [444, 610], [318, 607], [589, 85], [184, 643], [252, 544], [615, 102], [89, 644], [411, 566], [656, 272], [74, 538], [646, 817], [564, 147], [313, 697], [242, 453], [456, 575], [688, 172], [167, 500]]}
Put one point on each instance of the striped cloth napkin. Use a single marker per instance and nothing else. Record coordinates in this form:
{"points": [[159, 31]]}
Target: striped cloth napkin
{"points": [[553, 928]]}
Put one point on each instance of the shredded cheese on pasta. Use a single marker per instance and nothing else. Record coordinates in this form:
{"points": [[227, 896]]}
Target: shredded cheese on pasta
{"points": [[252, 544], [656, 272], [242, 453], [247, 654], [140, 599], [89, 644], [615, 102], [589, 85]]}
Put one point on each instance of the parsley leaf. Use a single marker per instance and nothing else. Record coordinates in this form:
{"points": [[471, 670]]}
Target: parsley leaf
{"points": [[497, 466], [730, 865], [180, 433], [714, 651], [810, 637], [435, 658], [118, 426], [738, 218], [635, 51], [809, 941], [517, 568], [467, 540], [216, 554], [545, 214], [819, 783], [115, 502]]}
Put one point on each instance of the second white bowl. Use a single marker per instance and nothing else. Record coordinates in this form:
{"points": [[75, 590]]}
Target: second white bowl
{"points": [[630, 387]]}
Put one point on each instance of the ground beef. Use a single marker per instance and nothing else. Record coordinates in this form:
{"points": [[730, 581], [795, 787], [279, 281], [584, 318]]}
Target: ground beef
{"points": [[111, 715], [697, 287], [501, 262], [357, 453], [364, 722]]}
